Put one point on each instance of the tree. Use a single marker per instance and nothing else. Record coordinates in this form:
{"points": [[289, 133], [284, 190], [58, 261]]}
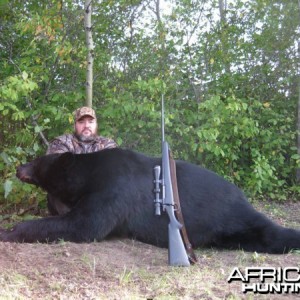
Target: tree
{"points": [[90, 48], [228, 69]]}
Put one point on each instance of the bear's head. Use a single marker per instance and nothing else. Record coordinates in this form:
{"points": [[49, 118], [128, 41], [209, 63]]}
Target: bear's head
{"points": [[50, 172]]}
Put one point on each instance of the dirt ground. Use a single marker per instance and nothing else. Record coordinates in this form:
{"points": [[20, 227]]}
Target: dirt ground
{"points": [[127, 269]]}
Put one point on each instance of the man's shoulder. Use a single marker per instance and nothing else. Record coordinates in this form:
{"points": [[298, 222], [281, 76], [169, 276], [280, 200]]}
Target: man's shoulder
{"points": [[61, 144], [106, 142], [100, 138], [64, 138]]}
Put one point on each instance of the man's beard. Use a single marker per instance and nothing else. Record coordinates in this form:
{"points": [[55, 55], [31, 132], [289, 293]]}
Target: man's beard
{"points": [[84, 138]]}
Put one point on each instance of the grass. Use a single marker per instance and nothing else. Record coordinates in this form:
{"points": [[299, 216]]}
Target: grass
{"points": [[125, 269], [89, 280], [11, 285]]}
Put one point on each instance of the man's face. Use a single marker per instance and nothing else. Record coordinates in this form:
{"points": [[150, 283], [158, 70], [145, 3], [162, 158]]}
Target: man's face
{"points": [[86, 128]]}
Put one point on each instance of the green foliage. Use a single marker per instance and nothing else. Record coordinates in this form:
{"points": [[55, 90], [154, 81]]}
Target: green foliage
{"points": [[230, 85], [12, 189], [138, 117], [239, 139]]}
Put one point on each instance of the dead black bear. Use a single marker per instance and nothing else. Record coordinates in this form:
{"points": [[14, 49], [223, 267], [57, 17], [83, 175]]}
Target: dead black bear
{"points": [[111, 193]]}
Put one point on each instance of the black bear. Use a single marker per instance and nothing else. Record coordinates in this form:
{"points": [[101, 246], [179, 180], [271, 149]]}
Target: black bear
{"points": [[111, 193]]}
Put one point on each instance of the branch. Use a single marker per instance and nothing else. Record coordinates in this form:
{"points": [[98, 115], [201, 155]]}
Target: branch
{"points": [[35, 123], [33, 118]]}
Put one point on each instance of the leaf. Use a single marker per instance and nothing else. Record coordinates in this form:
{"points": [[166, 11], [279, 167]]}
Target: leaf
{"points": [[7, 188], [295, 156], [36, 147], [5, 157], [37, 129], [24, 75]]}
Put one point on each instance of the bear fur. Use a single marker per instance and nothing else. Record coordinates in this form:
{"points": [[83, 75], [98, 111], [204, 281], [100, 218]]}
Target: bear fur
{"points": [[110, 193]]}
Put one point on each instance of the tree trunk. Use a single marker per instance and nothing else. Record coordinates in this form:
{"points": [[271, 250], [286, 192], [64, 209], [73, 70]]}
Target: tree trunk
{"points": [[90, 55], [224, 35]]}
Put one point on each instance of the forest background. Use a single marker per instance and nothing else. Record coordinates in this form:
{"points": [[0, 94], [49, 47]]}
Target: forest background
{"points": [[229, 72]]}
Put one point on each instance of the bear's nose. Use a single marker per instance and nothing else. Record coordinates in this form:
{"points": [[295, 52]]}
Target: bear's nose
{"points": [[19, 171], [22, 175]]}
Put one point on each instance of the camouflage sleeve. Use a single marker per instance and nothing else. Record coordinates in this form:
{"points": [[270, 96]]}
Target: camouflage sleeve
{"points": [[110, 143], [57, 146]]}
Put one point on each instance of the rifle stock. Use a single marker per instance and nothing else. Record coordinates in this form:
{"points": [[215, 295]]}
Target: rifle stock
{"points": [[177, 253]]}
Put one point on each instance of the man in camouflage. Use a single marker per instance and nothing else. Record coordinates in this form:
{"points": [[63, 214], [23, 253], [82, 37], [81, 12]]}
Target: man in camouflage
{"points": [[83, 140]]}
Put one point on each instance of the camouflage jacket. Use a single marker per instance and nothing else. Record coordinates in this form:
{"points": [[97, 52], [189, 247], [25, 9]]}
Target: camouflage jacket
{"points": [[70, 143]]}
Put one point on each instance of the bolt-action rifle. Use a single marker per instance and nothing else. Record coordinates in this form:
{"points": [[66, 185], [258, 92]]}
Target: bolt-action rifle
{"points": [[165, 190]]}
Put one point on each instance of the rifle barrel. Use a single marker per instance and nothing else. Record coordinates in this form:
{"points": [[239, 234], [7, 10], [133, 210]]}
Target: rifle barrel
{"points": [[162, 118]]}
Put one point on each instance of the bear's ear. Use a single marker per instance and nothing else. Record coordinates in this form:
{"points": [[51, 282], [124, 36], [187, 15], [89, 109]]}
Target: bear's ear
{"points": [[66, 159]]}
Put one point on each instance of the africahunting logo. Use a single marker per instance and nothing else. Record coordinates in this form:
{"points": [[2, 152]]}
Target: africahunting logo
{"points": [[267, 280]]}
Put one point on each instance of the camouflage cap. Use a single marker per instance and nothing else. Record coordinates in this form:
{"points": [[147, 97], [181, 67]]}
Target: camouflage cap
{"points": [[84, 111]]}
